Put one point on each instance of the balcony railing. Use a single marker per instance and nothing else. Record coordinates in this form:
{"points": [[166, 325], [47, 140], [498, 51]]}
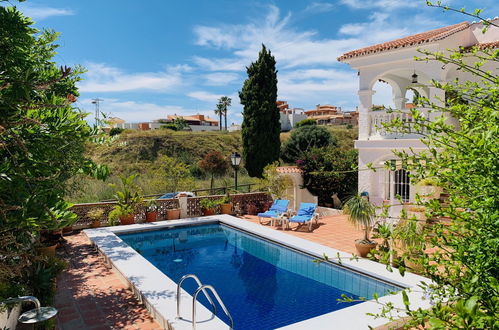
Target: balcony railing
{"points": [[379, 119]]}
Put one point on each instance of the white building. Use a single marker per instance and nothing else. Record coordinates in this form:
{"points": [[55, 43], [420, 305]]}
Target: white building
{"points": [[289, 117], [393, 62]]}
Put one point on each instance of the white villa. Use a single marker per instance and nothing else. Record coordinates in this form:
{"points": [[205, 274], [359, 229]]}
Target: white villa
{"points": [[393, 62]]}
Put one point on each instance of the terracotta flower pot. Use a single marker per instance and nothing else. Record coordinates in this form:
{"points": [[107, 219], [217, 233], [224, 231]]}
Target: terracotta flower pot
{"points": [[127, 219], [48, 251], [226, 208], [151, 216], [173, 214], [207, 212], [95, 224], [364, 248]]}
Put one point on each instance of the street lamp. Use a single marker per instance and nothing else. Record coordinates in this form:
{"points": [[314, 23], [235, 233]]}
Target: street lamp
{"points": [[235, 159]]}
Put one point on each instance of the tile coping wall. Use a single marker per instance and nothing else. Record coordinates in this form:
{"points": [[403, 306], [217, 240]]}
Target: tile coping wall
{"points": [[159, 292]]}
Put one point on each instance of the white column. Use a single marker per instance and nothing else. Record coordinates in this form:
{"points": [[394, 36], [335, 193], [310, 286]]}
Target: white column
{"points": [[436, 95], [399, 102], [365, 106]]}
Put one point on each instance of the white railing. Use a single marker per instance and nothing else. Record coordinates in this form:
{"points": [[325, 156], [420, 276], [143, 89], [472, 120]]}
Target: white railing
{"points": [[379, 119]]}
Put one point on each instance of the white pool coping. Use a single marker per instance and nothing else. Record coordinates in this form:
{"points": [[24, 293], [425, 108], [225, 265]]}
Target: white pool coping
{"points": [[158, 291]]}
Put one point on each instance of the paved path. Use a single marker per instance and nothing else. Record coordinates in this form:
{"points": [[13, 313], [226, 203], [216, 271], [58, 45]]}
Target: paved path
{"points": [[91, 296]]}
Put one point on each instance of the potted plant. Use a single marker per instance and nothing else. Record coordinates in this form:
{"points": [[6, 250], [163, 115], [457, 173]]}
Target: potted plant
{"points": [[96, 216], [208, 206], [428, 189], [48, 243], [409, 234], [152, 211], [128, 202], [173, 214], [225, 204], [361, 213]]}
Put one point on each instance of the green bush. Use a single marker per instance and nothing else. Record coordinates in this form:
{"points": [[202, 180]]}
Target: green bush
{"points": [[115, 131], [331, 170], [305, 122], [304, 139]]}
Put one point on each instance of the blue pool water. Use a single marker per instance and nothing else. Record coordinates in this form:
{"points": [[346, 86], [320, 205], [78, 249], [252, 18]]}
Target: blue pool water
{"points": [[263, 285]]}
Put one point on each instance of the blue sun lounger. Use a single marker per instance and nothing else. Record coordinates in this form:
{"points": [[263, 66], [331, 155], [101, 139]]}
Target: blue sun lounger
{"points": [[279, 207], [306, 213]]}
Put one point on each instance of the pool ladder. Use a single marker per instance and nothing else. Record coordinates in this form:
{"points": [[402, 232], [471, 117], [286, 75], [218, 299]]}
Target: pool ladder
{"points": [[201, 287]]}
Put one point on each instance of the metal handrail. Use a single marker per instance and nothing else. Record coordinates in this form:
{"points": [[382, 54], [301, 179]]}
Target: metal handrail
{"points": [[179, 285], [202, 288]]}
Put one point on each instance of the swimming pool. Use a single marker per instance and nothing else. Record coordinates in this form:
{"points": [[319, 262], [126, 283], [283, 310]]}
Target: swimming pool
{"points": [[260, 282], [266, 278]]}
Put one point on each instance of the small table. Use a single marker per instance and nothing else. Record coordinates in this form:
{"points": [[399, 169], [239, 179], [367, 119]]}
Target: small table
{"points": [[282, 219]]}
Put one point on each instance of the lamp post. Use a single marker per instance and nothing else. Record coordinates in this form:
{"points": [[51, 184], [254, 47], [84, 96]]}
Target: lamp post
{"points": [[235, 159]]}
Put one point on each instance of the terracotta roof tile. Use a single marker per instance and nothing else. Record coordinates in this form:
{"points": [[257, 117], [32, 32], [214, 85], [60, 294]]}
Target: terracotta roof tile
{"points": [[289, 169], [417, 39], [486, 45]]}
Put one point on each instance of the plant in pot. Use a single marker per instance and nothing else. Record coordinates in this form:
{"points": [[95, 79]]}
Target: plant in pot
{"points": [[428, 189], [173, 214], [225, 204], [409, 234], [208, 206], [95, 215], [361, 213], [152, 211], [128, 203]]}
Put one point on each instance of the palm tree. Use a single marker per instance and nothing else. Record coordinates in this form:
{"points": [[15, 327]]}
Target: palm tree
{"points": [[224, 102], [360, 213], [219, 111]]}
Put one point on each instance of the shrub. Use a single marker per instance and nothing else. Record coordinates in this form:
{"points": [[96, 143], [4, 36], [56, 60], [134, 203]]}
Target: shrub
{"points": [[115, 131], [327, 171], [304, 139], [305, 122]]}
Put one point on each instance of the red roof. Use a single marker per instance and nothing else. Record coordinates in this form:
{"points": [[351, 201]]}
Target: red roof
{"points": [[417, 39], [487, 45]]}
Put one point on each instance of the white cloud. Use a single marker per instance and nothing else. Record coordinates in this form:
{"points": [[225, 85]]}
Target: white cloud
{"points": [[132, 111], [103, 78], [220, 78], [211, 98], [295, 48], [41, 12], [382, 4], [319, 7]]}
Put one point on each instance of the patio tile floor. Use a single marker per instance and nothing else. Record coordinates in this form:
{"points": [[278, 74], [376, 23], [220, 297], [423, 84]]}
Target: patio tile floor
{"points": [[333, 231], [92, 296]]}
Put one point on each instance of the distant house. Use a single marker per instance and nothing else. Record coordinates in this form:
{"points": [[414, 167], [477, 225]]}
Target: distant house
{"points": [[329, 115], [196, 122], [289, 117]]}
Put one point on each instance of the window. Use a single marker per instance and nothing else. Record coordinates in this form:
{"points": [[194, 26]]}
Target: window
{"points": [[401, 184]]}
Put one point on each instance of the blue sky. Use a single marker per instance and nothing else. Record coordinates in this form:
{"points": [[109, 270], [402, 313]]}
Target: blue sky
{"points": [[150, 59]]}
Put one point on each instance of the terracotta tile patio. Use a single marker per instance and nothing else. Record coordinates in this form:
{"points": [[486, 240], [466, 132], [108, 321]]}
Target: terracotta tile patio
{"points": [[92, 296], [333, 231]]}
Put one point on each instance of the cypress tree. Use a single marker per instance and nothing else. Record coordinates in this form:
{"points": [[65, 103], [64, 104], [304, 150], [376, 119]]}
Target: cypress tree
{"points": [[261, 126]]}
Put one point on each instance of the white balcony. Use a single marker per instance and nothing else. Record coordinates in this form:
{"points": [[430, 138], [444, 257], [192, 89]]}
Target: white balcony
{"points": [[378, 120]]}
